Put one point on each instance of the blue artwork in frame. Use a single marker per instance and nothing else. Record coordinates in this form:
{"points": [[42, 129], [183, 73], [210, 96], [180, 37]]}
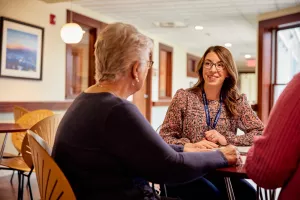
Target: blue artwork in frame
{"points": [[21, 49]]}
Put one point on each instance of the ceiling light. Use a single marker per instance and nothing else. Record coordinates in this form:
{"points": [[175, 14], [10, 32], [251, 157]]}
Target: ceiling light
{"points": [[71, 33], [198, 27], [228, 44], [175, 24], [247, 56]]}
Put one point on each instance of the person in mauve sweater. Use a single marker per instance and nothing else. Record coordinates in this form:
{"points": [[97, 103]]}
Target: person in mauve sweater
{"points": [[274, 160]]}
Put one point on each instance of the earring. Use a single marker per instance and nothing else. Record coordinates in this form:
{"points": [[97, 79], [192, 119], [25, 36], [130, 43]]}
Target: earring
{"points": [[137, 79], [133, 84]]}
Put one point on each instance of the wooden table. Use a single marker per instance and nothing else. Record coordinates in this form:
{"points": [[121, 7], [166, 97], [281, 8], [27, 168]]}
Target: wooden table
{"points": [[9, 128], [240, 172]]}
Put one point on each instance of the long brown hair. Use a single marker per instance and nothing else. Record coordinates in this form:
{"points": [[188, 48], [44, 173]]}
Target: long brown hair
{"points": [[229, 89]]}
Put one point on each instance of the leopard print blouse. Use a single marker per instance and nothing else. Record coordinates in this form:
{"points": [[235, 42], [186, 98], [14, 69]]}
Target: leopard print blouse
{"points": [[185, 121]]}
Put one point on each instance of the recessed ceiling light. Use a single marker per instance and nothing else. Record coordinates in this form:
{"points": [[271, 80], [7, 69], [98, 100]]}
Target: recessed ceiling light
{"points": [[247, 56], [228, 44], [199, 27]]}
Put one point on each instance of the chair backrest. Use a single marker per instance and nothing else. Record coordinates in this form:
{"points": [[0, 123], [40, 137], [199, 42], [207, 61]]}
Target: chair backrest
{"points": [[19, 112], [47, 128], [51, 181], [26, 152], [28, 120]]}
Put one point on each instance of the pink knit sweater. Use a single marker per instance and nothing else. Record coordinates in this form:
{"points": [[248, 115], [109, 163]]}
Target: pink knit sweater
{"points": [[274, 160]]}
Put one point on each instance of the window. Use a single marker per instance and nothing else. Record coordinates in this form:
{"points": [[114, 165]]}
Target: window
{"points": [[278, 59], [248, 85], [165, 71], [287, 63], [191, 66]]}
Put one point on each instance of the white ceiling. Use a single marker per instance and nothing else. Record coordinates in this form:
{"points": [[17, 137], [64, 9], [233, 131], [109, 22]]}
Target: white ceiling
{"points": [[232, 21]]}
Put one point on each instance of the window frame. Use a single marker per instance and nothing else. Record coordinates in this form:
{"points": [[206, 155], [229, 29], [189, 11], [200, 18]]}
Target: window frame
{"points": [[169, 71], [267, 30]]}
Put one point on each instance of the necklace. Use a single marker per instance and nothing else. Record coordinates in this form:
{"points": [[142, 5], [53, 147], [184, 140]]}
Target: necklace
{"points": [[108, 90]]}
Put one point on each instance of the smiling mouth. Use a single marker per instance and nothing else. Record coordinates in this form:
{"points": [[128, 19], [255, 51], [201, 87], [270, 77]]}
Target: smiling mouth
{"points": [[212, 77]]}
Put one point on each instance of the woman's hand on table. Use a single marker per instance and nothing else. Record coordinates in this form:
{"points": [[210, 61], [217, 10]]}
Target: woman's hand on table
{"points": [[189, 147], [231, 154], [215, 137], [201, 146]]}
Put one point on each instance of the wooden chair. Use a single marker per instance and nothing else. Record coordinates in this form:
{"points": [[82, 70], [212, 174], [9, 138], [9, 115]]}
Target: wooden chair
{"points": [[51, 181], [27, 120], [47, 128], [23, 164], [18, 113]]}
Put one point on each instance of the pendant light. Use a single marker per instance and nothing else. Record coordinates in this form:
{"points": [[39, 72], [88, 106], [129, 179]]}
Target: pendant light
{"points": [[71, 33]]}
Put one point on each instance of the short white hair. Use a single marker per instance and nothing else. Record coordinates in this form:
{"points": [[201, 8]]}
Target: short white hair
{"points": [[117, 47]]}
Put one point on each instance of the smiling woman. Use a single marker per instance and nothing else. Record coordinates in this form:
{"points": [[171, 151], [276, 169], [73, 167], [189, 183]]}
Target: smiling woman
{"points": [[208, 114]]}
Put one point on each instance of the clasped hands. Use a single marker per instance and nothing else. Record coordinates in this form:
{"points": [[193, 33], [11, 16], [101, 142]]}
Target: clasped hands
{"points": [[212, 137]]}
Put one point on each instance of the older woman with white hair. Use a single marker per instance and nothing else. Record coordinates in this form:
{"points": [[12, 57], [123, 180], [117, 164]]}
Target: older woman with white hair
{"points": [[104, 145]]}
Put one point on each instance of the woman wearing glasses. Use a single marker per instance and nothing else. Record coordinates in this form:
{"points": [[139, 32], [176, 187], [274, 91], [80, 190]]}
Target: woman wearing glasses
{"points": [[207, 116]]}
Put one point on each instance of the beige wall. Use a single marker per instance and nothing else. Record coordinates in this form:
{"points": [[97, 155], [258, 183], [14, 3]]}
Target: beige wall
{"points": [[52, 87], [53, 83]]}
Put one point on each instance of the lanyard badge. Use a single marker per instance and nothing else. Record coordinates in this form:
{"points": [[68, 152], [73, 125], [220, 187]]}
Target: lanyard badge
{"points": [[208, 123]]}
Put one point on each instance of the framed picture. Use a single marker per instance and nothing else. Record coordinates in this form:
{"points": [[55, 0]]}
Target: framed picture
{"points": [[191, 66], [21, 49]]}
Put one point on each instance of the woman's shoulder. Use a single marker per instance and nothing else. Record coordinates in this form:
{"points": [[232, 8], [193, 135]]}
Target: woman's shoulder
{"points": [[241, 98], [190, 92], [242, 103]]}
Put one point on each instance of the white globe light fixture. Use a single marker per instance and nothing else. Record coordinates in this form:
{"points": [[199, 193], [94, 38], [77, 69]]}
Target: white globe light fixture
{"points": [[228, 45], [71, 33]]}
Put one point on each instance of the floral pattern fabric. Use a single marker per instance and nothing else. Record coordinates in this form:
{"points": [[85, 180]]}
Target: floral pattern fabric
{"points": [[185, 121]]}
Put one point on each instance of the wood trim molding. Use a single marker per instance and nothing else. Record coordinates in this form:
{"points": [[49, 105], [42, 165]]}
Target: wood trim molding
{"points": [[7, 107], [165, 47], [196, 59], [265, 49], [169, 50], [149, 92], [161, 103], [87, 21], [254, 107]]}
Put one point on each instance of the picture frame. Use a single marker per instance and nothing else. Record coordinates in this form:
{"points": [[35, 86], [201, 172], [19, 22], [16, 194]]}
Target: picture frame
{"points": [[191, 65], [21, 49]]}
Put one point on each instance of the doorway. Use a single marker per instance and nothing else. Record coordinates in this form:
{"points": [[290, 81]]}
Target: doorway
{"points": [[80, 64], [80, 60], [143, 98]]}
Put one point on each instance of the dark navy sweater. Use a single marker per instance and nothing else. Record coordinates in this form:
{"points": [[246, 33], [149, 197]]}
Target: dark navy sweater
{"points": [[106, 148]]}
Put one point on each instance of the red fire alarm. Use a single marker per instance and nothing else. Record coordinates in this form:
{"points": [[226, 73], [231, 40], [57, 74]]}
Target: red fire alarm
{"points": [[52, 19]]}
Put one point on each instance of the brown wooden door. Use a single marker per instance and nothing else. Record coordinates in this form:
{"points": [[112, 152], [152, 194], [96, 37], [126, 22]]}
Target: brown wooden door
{"points": [[142, 98], [77, 71], [76, 83], [140, 101]]}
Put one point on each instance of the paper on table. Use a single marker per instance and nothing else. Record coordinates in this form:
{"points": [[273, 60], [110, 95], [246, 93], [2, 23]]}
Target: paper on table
{"points": [[243, 159], [243, 149]]}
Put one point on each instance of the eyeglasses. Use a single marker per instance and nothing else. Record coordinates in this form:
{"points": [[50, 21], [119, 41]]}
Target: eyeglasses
{"points": [[150, 63], [219, 65]]}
